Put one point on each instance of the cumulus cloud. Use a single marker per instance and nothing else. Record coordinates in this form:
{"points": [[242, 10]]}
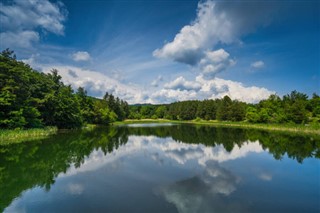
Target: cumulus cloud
{"points": [[171, 95], [81, 56], [218, 88], [179, 89], [97, 84], [181, 83], [257, 64], [202, 88], [214, 62], [208, 29], [216, 23], [20, 20]]}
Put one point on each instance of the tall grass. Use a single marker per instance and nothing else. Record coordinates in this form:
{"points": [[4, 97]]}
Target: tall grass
{"points": [[297, 128], [20, 135]]}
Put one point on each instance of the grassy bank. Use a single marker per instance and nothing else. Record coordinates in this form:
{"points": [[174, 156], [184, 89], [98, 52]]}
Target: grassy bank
{"points": [[306, 129], [135, 121], [20, 135]]}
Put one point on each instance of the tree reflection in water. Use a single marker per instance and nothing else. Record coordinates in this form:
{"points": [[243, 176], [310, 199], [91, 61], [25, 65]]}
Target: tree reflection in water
{"points": [[38, 163]]}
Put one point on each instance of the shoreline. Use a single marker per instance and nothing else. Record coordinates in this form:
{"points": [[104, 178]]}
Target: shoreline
{"points": [[17, 136], [292, 128], [11, 136]]}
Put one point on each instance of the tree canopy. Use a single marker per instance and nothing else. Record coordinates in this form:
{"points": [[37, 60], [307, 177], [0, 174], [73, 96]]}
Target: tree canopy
{"points": [[295, 108], [31, 99]]}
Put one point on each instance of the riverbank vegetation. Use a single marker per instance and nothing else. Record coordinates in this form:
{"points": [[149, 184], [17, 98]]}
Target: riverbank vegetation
{"points": [[294, 108], [32, 99], [8, 136], [293, 128]]}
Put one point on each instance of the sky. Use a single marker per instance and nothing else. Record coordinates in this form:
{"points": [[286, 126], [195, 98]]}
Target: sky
{"points": [[165, 51]]}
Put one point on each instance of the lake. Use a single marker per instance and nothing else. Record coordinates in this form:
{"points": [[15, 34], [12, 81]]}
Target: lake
{"points": [[162, 168]]}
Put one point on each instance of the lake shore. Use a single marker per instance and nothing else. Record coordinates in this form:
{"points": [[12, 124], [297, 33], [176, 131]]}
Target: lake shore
{"points": [[294, 128], [20, 135], [9, 136]]}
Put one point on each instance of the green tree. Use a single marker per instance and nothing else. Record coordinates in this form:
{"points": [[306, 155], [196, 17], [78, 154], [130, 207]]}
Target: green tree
{"points": [[160, 111], [86, 105], [295, 106], [224, 109]]}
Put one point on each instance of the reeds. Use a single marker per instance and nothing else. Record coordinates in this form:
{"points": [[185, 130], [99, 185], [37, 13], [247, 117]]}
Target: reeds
{"points": [[20, 135]]}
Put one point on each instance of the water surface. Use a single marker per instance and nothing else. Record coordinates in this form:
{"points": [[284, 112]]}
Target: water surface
{"points": [[162, 168]]}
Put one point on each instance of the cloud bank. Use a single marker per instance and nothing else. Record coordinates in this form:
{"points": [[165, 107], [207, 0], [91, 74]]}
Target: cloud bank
{"points": [[97, 84], [202, 88], [179, 89]]}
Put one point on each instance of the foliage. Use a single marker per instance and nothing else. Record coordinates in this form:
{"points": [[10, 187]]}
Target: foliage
{"points": [[292, 108], [30, 99]]}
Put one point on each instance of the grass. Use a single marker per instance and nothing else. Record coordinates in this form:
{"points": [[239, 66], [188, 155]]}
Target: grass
{"points": [[297, 128], [8, 136], [21, 135], [135, 121]]}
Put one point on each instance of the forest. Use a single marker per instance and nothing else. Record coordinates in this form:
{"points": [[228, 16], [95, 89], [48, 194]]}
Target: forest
{"points": [[294, 108], [32, 99]]}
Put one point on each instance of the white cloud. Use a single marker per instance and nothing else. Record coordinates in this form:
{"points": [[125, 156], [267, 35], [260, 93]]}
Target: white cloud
{"points": [[171, 95], [257, 64], [214, 62], [23, 39], [81, 56], [20, 21], [179, 89], [216, 23], [209, 28], [202, 88], [97, 83], [181, 83], [218, 88]]}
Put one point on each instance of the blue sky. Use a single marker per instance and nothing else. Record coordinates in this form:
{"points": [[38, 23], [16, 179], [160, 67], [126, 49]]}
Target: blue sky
{"points": [[165, 51]]}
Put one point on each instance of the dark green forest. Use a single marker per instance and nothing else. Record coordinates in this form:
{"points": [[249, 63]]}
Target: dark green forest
{"points": [[32, 99], [294, 108]]}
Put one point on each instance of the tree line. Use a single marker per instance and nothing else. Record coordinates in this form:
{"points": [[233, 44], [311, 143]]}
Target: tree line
{"points": [[295, 108], [31, 99]]}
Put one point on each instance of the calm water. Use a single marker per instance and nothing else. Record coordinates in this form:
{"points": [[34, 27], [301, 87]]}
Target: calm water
{"points": [[162, 168]]}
